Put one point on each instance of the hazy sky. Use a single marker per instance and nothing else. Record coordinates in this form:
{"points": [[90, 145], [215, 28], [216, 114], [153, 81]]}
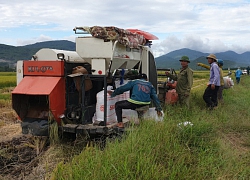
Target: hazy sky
{"points": [[205, 25]]}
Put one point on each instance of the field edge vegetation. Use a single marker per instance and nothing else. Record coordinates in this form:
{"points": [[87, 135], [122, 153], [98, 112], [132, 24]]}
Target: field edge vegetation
{"points": [[215, 146]]}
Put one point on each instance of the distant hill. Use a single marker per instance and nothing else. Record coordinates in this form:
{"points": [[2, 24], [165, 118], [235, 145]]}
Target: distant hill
{"points": [[10, 54], [230, 58], [15, 53], [62, 45]]}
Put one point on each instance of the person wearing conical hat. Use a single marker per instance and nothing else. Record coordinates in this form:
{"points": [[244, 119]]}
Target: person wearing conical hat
{"points": [[220, 91], [184, 81], [210, 93]]}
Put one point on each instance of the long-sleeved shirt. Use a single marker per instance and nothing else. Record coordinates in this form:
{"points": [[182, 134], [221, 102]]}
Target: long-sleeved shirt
{"points": [[238, 73], [184, 81], [221, 72], [214, 74], [142, 92]]}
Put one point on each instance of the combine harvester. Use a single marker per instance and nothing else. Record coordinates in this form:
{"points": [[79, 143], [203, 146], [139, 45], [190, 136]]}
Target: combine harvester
{"points": [[70, 87]]}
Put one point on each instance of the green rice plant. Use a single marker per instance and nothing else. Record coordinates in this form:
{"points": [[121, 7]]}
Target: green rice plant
{"points": [[5, 103], [53, 130], [201, 74], [53, 133], [7, 73], [7, 81], [155, 150], [6, 96], [215, 146]]}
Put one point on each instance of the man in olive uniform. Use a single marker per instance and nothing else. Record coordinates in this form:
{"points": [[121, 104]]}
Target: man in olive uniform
{"points": [[184, 81]]}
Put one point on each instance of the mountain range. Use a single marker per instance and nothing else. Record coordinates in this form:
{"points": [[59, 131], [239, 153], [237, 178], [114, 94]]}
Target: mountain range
{"points": [[15, 53], [11, 54], [230, 58]]}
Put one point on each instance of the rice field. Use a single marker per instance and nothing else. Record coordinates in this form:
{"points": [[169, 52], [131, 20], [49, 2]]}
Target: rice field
{"points": [[7, 79], [215, 145], [7, 83]]}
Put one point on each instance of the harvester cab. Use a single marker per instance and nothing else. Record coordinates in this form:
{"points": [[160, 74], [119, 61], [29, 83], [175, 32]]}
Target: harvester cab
{"points": [[70, 87]]}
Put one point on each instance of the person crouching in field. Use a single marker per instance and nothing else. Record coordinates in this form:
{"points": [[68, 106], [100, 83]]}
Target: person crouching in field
{"points": [[142, 93], [220, 91], [184, 81], [210, 94]]}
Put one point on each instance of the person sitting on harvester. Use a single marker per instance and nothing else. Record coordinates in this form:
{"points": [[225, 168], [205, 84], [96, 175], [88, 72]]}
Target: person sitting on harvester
{"points": [[142, 93]]}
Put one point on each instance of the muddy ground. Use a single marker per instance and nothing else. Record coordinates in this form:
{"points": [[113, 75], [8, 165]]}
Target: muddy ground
{"points": [[19, 154], [25, 157]]}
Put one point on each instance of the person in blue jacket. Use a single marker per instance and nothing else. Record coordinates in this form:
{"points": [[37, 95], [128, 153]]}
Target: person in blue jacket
{"points": [[142, 93], [238, 73]]}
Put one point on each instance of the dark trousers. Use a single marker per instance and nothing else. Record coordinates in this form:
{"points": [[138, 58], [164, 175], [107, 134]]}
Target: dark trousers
{"points": [[220, 93], [124, 105], [237, 80], [210, 96]]}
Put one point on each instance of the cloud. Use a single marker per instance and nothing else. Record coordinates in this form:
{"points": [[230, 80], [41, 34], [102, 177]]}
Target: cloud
{"points": [[207, 25], [194, 42], [40, 38]]}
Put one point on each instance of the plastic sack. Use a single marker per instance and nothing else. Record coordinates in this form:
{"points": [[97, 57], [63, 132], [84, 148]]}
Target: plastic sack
{"points": [[129, 114], [171, 97], [228, 82], [99, 115], [124, 96], [111, 115], [152, 114]]}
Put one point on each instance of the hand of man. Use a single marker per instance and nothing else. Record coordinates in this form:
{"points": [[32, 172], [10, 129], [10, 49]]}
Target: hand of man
{"points": [[159, 113], [212, 86], [167, 73], [109, 92]]}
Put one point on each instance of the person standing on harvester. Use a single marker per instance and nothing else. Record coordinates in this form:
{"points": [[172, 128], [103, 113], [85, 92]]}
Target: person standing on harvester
{"points": [[142, 93]]}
